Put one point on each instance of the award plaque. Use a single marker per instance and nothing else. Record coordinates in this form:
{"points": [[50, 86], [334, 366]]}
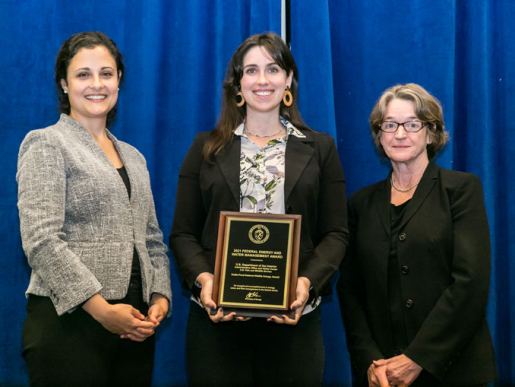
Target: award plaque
{"points": [[257, 259]]}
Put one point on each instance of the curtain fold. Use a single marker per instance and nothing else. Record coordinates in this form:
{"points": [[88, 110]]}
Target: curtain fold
{"points": [[311, 45], [311, 48]]}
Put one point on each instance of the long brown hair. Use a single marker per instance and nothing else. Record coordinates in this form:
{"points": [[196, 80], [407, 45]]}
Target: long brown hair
{"points": [[231, 116]]}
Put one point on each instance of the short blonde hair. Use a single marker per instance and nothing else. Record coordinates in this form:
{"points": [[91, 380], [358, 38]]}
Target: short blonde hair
{"points": [[427, 108]]}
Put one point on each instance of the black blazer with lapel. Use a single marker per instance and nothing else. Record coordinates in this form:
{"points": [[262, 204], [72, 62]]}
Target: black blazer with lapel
{"points": [[444, 264], [314, 187]]}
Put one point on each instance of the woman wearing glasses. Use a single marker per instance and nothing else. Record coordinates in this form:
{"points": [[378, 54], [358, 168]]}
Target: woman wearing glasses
{"points": [[414, 284]]}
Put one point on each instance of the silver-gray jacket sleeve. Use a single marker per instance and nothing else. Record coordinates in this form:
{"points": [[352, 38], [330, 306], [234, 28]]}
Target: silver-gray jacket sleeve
{"points": [[41, 201]]}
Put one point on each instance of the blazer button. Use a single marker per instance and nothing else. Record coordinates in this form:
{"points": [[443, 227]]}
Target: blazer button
{"points": [[289, 210], [402, 236], [409, 303], [405, 270]]}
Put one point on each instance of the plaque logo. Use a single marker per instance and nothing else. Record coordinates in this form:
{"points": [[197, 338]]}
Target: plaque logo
{"points": [[259, 234]]}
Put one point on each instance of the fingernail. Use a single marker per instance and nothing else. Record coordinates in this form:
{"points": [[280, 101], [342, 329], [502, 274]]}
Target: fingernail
{"points": [[293, 308], [213, 309]]}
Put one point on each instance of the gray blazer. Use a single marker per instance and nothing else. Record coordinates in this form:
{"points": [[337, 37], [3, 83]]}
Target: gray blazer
{"points": [[78, 226]]}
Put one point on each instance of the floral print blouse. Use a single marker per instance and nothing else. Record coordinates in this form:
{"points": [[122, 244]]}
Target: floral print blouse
{"points": [[262, 172]]}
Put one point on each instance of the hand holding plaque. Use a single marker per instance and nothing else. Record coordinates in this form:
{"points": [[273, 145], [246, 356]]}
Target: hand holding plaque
{"points": [[257, 263], [205, 280], [298, 306]]}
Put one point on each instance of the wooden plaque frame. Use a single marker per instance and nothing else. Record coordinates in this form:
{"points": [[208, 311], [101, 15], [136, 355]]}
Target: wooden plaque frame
{"points": [[250, 267]]}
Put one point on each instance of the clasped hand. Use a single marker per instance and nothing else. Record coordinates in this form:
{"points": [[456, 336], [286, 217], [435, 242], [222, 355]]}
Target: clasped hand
{"points": [[397, 371], [125, 320]]}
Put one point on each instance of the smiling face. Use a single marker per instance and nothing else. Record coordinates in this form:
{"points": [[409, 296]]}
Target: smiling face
{"points": [[92, 84], [263, 81], [401, 146]]}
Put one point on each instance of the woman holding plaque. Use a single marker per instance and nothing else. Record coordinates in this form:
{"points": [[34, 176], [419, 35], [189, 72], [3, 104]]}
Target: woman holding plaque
{"points": [[100, 282], [414, 284], [260, 158]]}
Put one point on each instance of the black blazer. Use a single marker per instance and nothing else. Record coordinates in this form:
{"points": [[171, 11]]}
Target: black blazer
{"points": [[314, 187], [444, 265]]}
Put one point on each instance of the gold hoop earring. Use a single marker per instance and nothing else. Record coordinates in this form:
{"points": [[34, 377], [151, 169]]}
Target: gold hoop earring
{"points": [[287, 97], [242, 100]]}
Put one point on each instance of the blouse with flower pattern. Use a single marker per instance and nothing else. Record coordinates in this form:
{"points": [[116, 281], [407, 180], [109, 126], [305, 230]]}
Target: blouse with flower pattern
{"points": [[262, 172]]}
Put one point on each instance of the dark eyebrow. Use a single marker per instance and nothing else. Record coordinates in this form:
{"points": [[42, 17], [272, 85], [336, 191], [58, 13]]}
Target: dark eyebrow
{"points": [[254, 65], [88, 69]]}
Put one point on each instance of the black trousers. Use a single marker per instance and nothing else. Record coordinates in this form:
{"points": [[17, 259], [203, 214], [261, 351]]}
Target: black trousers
{"points": [[75, 350], [255, 352]]}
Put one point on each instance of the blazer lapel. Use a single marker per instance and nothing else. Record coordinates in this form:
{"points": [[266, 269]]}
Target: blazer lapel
{"points": [[102, 161], [298, 153], [229, 160], [425, 186], [87, 139]]}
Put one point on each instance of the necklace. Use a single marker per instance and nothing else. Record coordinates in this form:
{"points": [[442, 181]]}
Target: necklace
{"points": [[246, 131], [402, 189]]}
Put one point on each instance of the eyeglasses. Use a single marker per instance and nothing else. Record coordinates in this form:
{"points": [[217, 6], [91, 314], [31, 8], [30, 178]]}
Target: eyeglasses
{"points": [[409, 126]]}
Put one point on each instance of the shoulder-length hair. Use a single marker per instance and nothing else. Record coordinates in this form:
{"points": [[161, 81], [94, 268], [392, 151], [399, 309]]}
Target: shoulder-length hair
{"points": [[231, 116], [427, 108]]}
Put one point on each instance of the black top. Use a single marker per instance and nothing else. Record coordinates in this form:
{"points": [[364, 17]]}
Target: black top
{"points": [[135, 281], [123, 174], [395, 301]]}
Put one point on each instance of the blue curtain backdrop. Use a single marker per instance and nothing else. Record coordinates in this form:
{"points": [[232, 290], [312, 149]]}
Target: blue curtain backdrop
{"points": [[347, 51]]}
